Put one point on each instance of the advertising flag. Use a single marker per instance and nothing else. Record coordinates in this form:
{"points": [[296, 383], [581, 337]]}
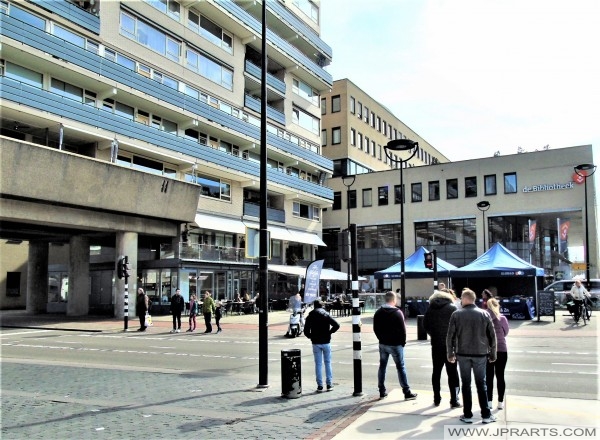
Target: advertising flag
{"points": [[532, 231], [312, 281], [563, 236]]}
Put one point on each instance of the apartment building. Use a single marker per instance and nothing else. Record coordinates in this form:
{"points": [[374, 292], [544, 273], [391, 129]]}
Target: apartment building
{"points": [[143, 120]]}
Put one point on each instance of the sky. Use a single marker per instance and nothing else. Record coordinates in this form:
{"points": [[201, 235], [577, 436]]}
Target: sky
{"points": [[473, 77]]}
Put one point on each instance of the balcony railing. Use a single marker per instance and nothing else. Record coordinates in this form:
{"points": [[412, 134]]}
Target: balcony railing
{"points": [[206, 252], [253, 210]]}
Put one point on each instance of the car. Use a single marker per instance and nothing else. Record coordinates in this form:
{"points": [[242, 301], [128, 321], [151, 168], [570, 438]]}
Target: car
{"points": [[562, 287]]}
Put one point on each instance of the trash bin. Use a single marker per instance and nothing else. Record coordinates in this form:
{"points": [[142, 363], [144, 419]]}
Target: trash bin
{"points": [[421, 333], [291, 374]]}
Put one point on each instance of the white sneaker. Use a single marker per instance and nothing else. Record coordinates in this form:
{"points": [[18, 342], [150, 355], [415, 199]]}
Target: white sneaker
{"points": [[490, 404], [490, 419], [172, 331], [500, 405], [177, 331], [466, 419]]}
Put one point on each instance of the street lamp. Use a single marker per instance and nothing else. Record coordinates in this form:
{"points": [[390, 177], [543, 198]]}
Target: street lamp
{"points": [[483, 206], [401, 145], [584, 171], [348, 181]]}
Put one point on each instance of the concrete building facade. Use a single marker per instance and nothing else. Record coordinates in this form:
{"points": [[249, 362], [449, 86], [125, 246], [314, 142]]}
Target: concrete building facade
{"points": [[142, 124]]}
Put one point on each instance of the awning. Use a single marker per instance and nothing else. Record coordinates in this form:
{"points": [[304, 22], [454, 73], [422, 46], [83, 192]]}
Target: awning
{"points": [[220, 223], [306, 237], [326, 274]]}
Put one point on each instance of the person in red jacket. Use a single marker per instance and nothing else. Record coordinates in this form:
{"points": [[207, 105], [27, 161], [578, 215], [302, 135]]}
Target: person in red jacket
{"points": [[390, 329]]}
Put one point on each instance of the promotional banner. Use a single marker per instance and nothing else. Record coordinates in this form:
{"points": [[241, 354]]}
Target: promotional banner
{"points": [[563, 225], [532, 230], [312, 281]]}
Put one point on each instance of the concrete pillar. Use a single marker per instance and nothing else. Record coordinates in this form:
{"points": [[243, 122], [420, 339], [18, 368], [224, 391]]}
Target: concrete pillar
{"points": [[78, 301], [37, 278], [126, 245]]}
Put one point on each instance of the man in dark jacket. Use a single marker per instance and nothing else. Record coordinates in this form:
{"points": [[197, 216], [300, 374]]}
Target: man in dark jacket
{"points": [[390, 329], [319, 327], [177, 306], [436, 321], [472, 340]]}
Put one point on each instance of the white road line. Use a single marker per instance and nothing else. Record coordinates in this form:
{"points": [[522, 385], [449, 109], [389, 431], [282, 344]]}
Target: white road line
{"points": [[29, 332], [567, 363]]}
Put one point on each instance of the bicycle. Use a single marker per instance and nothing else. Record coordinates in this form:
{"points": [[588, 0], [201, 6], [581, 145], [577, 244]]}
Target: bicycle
{"points": [[581, 310]]}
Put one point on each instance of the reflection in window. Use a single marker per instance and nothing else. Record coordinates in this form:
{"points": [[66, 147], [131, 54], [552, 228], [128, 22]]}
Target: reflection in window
{"points": [[337, 201], [211, 186], [510, 183], [367, 197], [454, 240], [490, 185], [434, 190], [416, 190], [470, 186], [383, 195], [452, 188], [398, 195]]}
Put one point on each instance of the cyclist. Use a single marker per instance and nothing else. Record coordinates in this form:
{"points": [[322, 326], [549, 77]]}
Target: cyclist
{"points": [[579, 294]]}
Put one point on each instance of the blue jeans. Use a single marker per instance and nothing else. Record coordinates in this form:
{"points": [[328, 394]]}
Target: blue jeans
{"points": [[478, 364], [397, 352], [323, 352]]}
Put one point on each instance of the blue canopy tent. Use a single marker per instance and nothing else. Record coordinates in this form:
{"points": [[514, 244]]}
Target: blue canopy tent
{"points": [[414, 267], [500, 268]]}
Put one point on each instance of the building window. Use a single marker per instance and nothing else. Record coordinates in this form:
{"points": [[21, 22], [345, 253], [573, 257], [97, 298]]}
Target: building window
{"points": [[359, 110], [307, 92], [143, 33], [490, 185], [352, 105], [324, 138], [366, 114], [452, 188], [337, 201], [470, 186], [510, 183], [305, 211], [323, 106], [359, 141], [367, 145], [398, 195], [372, 120], [383, 195], [454, 240], [211, 186], [309, 8], [416, 190], [434, 190], [210, 31], [209, 69], [378, 127], [351, 199], [22, 74], [367, 197], [169, 7], [336, 136], [336, 104], [374, 151], [353, 137], [305, 120]]}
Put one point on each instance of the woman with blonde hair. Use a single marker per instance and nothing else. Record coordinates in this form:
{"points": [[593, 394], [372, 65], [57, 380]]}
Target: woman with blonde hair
{"points": [[498, 367]]}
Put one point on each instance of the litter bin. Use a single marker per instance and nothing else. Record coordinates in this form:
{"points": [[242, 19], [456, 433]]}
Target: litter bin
{"points": [[291, 374], [421, 332]]}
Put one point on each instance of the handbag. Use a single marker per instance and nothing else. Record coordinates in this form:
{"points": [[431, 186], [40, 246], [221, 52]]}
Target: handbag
{"points": [[148, 320]]}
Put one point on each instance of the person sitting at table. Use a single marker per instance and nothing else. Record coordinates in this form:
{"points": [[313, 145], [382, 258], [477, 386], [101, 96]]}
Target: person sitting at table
{"points": [[246, 297]]}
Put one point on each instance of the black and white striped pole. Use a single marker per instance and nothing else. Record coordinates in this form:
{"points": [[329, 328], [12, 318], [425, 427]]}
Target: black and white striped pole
{"points": [[123, 272], [356, 324]]}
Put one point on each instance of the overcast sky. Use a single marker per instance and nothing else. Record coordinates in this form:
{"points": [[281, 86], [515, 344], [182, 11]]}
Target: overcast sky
{"points": [[473, 77]]}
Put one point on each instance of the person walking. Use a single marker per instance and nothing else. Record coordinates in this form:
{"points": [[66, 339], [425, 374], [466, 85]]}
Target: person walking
{"points": [[436, 321], [471, 340], [208, 308], [218, 314], [141, 308], [579, 294], [319, 327], [177, 307], [497, 368], [193, 313], [390, 329]]}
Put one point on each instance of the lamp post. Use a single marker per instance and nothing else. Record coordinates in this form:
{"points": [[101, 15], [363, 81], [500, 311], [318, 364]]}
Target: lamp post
{"points": [[401, 145], [483, 206], [584, 171], [348, 181]]}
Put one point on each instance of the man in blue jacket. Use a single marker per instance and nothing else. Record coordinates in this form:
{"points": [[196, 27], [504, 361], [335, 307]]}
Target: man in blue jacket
{"points": [[319, 327], [472, 340], [390, 329]]}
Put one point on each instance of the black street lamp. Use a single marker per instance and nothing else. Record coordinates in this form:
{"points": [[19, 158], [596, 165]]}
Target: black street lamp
{"points": [[586, 170], [348, 181], [401, 145], [483, 206]]}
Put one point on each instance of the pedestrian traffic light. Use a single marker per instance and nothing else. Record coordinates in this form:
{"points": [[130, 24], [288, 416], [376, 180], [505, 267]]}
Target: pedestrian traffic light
{"points": [[429, 260], [344, 245], [123, 268], [120, 273]]}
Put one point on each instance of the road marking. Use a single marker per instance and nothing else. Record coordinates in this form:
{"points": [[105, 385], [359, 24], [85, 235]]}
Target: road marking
{"points": [[2, 335], [566, 363]]}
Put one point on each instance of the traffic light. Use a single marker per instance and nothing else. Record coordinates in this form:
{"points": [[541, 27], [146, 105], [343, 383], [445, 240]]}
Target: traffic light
{"points": [[123, 268], [429, 260], [344, 245]]}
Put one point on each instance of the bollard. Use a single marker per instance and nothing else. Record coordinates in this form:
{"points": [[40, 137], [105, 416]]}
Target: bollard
{"points": [[291, 374], [421, 333]]}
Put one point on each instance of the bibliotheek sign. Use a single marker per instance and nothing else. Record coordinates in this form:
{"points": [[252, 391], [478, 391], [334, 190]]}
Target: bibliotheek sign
{"points": [[548, 187]]}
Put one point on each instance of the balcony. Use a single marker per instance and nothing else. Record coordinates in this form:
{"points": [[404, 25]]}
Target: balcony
{"points": [[212, 253], [272, 113], [272, 81], [253, 210]]}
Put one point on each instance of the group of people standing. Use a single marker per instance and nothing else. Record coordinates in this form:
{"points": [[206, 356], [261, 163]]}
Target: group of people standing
{"points": [[208, 306], [476, 339]]}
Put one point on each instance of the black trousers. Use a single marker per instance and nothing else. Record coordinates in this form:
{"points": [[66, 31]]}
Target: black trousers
{"points": [[142, 321], [207, 317], [177, 321], [439, 358], [496, 368]]}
